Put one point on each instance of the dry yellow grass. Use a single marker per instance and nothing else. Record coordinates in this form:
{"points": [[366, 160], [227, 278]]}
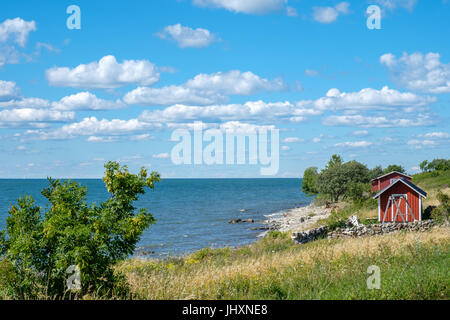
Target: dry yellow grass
{"points": [[432, 200], [199, 280]]}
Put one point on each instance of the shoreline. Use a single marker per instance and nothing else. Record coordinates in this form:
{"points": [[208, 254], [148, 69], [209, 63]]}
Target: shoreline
{"points": [[298, 219]]}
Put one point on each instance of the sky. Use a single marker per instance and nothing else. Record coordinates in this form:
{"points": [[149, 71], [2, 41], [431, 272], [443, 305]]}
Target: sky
{"points": [[116, 81]]}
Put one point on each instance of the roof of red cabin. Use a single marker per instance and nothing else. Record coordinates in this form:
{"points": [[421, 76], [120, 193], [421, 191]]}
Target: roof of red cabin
{"points": [[408, 183], [384, 175]]}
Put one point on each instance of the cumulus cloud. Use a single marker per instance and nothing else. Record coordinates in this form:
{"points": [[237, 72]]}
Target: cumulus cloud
{"points": [[247, 6], [354, 144], [330, 14], [29, 116], [419, 72], [250, 111], [161, 156], [187, 37], [34, 103], [394, 4], [86, 101], [107, 73], [171, 95], [16, 29], [94, 127], [430, 139], [293, 140], [436, 135], [378, 121], [8, 90], [369, 98], [360, 133], [205, 89], [13, 33]]}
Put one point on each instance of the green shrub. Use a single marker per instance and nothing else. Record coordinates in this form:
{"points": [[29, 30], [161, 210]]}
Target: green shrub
{"points": [[37, 249], [442, 212]]}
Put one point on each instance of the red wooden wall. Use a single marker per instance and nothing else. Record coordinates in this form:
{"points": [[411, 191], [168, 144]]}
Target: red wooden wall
{"points": [[413, 200]]}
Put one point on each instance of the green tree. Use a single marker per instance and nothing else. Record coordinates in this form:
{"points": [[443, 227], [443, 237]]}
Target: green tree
{"points": [[336, 178], [394, 167], [38, 248], [439, 165], [423, 165], [376, 172], [335, 161], [309, 180]]}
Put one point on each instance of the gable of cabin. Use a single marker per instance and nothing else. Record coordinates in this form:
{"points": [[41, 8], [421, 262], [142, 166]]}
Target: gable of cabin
{"points": [[382, 182]]}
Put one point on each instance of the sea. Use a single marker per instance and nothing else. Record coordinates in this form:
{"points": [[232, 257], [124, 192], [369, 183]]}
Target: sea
{"points": [[191, 214]]}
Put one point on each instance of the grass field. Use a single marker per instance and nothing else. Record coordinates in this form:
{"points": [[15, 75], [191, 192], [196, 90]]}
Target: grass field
{"points": [[413, 266]]}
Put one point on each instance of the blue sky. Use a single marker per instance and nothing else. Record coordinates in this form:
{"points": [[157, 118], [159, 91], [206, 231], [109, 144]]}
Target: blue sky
{"points": [[116, 89]]}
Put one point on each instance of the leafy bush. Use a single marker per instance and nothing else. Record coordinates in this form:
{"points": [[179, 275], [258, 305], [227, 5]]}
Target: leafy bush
{"points": [[442, 212], [309, 180], [37, 249]]}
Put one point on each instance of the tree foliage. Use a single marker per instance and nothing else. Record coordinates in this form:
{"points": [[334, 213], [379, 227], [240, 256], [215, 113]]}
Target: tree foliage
{"points": [[338, 177], [394, 167], [309, 180], [37, 248], [435, 165]]}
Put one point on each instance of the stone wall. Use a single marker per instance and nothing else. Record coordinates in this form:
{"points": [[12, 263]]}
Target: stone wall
{"points": [[378, 229], [309, 235], [355, 229]]}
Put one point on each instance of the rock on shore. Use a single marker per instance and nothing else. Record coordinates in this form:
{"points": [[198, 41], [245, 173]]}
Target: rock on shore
{"points": [[299, 218]]}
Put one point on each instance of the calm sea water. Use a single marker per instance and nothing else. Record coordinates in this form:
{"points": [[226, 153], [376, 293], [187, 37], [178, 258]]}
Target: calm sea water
{"points": [[191, 213]]}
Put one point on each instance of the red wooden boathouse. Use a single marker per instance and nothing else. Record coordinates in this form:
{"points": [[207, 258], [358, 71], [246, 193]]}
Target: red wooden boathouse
{"points": [[400, 200]]}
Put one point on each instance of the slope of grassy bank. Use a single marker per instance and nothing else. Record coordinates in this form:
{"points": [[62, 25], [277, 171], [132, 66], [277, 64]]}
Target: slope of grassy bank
{"points": [[413, 266]]}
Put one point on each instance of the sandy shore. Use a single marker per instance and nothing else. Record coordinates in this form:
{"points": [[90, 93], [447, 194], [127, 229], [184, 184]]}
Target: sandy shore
{"points": [[298, 219]]}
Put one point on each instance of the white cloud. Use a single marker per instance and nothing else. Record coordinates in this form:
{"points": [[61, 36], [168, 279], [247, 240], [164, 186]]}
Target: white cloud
{"points": [[234, 82], [28, 115], [355, 144], [34, 103], [360, 133], [293, 140], [330, 14], [171, 95], [16, 29], [394, 4], [141, 137], [285, 148], [250, 111], [86, 101], [371, 99], [430, 139], [419, 72], [13, 32], [436, 135], [247, 6], [94, 127], [377, 121], [8, 90], [187, 37], [161, 156], [205, 89], [101, 139], [105, 74]]}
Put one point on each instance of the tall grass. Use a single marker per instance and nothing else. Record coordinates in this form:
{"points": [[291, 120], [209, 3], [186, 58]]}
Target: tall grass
{"points": [[413, 266]]}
